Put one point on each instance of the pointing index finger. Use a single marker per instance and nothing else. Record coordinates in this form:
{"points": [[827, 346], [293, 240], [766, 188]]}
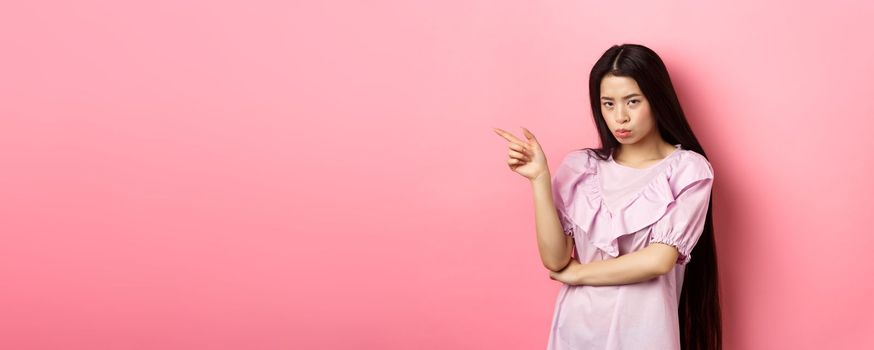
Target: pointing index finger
{"points": [[511, 138]]}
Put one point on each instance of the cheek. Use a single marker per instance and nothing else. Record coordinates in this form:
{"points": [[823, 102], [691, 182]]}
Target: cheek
{"points": [[646, 120], [645, 117], [651, 125], [648, 113]]}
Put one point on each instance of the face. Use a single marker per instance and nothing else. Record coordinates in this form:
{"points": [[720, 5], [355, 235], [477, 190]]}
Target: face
{"points": [[624, 107]]}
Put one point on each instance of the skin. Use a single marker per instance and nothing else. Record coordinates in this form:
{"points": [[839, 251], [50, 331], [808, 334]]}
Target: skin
{"points": [[527, 158], [644, 147], [623, 105]]}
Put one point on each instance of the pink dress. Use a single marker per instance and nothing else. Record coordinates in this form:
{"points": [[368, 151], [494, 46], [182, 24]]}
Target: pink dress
{"points": [[611, 210]]}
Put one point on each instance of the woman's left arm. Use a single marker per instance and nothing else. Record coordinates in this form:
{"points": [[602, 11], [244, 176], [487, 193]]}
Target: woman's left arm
{"points": [[652, 261], [676, 233]]}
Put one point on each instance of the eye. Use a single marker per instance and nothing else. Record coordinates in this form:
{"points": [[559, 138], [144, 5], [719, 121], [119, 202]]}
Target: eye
{"points": [[606, 103], [634, 101]]}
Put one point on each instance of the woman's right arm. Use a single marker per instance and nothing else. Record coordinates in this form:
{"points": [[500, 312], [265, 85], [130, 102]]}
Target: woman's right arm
{"points": [[528, 159], [555, 247]]}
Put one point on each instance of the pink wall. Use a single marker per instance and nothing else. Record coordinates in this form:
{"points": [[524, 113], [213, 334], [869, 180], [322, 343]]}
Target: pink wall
{"points": [[323, 175]]}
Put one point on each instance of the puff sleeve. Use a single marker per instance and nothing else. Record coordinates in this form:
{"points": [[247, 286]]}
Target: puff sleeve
{"points": [[683, 222], [567, 225], [573, 168]]}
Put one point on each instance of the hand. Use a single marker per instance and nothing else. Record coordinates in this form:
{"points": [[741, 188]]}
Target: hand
{"points": [[569, 275], [526, 157]]}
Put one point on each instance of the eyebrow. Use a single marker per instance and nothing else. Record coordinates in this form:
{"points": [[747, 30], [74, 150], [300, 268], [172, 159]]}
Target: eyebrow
{"points": [[624, 98]]}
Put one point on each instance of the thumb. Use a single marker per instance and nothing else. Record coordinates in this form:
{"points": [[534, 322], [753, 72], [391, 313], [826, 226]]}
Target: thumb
{"points": [[529, 136]]}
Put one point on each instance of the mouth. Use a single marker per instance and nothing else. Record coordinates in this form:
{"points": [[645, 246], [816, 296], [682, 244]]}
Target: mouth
{"points": [[623, 133]]}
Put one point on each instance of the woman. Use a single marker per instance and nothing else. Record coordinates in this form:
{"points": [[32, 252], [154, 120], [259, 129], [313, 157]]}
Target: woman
{"points": [[632, 211]]}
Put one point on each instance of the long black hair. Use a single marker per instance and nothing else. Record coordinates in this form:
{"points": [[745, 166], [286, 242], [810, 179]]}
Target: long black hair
{"points": [[700, 314]]}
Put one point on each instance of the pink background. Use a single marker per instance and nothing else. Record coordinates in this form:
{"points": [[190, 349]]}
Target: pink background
{"points": [[323, 175]]}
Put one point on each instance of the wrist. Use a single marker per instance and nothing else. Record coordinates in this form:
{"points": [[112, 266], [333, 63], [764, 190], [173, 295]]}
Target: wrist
{"points": [[580, 271], [543, 178]]}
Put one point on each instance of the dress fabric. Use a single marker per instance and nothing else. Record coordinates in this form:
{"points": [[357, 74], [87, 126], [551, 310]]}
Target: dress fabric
{"points": [[610, 210]]}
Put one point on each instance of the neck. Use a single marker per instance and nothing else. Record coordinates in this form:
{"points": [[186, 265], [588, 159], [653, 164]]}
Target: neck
{"points": [[643, 150]]}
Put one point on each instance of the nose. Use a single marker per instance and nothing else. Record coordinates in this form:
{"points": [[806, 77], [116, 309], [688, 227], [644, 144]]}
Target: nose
{"points": [[621, 116]]}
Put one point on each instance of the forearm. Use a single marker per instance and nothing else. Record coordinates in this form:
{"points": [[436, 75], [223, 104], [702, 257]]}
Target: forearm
{"points": [[625, 269], [554, 246]]}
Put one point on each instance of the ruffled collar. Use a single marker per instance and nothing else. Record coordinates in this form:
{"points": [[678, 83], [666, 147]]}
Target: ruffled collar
{"points": [[601, 226]]}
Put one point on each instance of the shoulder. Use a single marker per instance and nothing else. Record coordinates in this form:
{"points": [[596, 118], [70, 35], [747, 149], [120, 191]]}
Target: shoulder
{"points": [[691, 161], [688, 168], [575, 166], [578, 158], [581, 160]]}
